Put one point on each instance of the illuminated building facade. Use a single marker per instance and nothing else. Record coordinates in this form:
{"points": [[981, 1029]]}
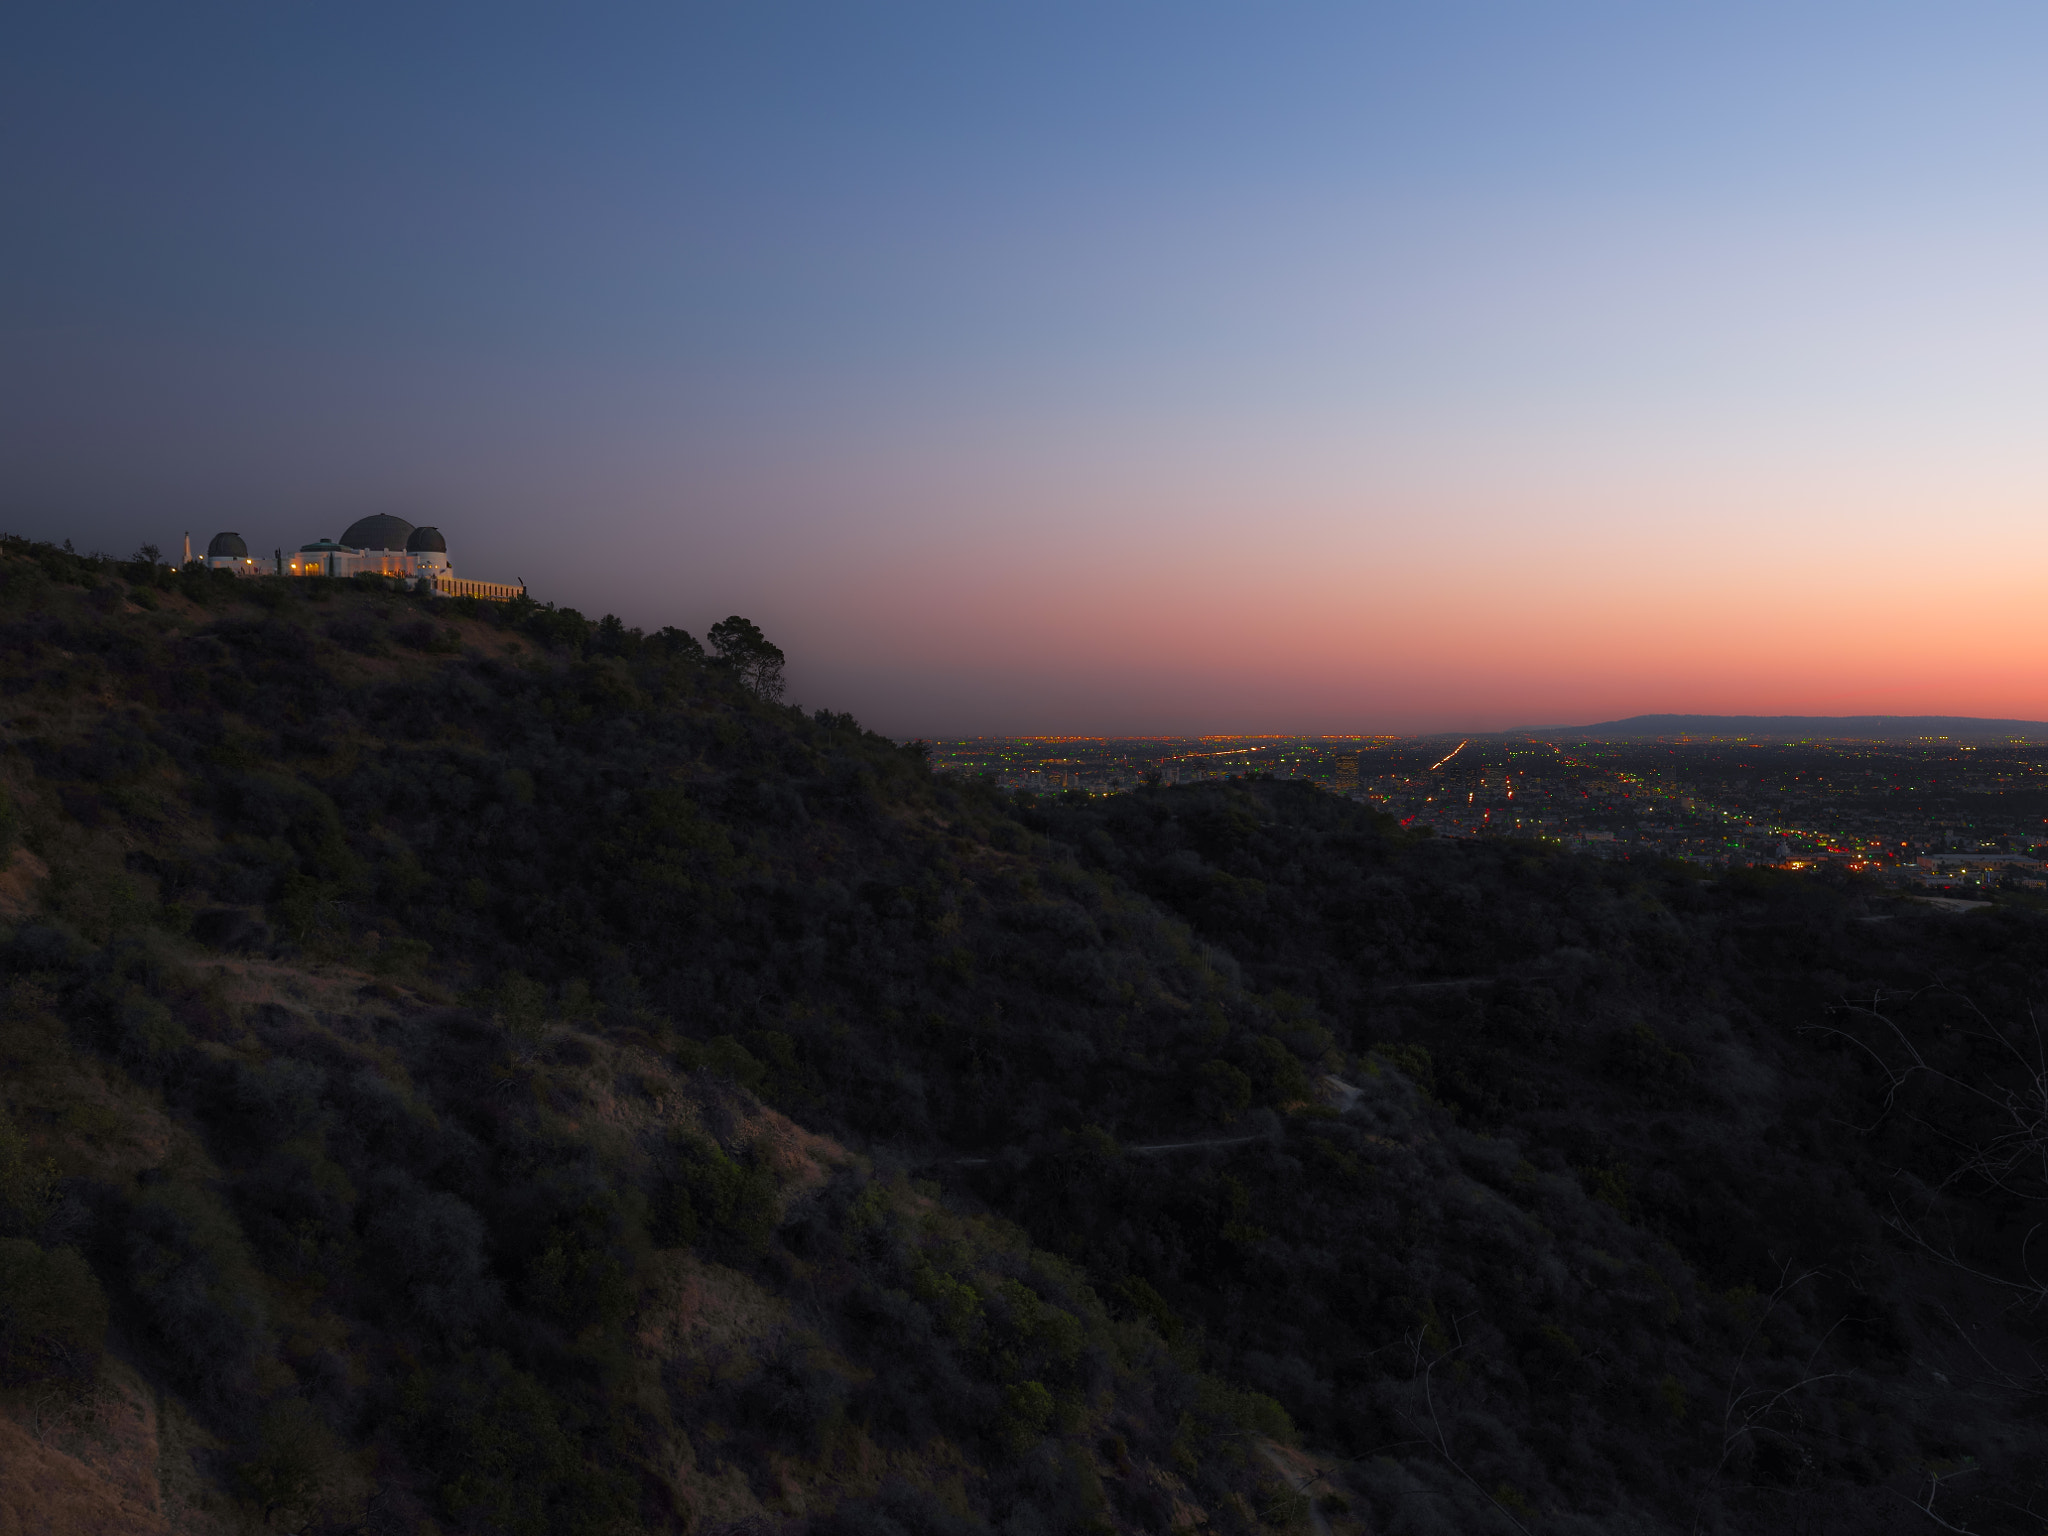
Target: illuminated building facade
{"points": [[227, 552], [378, 545]]}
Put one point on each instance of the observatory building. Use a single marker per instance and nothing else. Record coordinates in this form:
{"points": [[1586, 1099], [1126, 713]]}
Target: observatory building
{"points": [[227, 552], [378, 545]]}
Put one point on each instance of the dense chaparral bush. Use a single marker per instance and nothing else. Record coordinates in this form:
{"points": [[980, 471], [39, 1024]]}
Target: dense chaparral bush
{"points": [[511, 1071]]}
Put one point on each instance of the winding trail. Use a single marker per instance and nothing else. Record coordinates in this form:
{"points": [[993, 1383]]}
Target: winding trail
{"points": [[1184, 1146], [1344, 1093], [1163, 1146]]}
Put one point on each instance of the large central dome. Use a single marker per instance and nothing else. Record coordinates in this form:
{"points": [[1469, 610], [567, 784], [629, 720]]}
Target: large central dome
{"points": [[379, 531]]}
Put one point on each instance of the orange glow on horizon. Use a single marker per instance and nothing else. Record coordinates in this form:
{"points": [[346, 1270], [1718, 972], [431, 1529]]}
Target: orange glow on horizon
{"points": [[1478, 639]]}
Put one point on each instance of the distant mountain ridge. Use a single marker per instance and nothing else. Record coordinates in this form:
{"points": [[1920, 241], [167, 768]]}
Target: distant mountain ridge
{"points": [[1862, 727]]}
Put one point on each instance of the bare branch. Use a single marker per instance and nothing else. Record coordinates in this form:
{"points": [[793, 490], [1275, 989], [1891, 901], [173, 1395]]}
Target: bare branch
{"points": [[1435, 1436], [2006, 1150], [1926, 1506]]}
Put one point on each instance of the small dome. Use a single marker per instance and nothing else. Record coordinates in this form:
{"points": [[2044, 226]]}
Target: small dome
{"points": [[227, 544], [378, 531], [426, 541]]}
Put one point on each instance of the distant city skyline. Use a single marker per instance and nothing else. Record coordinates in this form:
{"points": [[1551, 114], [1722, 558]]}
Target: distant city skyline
{"points": [[1122, 368]]}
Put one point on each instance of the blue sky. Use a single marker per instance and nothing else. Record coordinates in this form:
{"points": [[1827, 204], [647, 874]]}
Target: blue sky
{"points": [[1077, 367]]}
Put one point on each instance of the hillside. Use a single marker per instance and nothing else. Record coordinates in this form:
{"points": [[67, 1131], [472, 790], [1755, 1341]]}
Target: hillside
{"points": [[471, 1068], [1810, 727]]}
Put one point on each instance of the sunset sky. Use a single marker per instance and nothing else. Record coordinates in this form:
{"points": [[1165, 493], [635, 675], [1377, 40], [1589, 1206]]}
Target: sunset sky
{"points": [[1099, 367]]}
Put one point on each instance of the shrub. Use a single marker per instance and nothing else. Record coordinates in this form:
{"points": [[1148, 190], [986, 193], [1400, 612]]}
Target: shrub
{"points": [[26, 1182], [197, 1290], [272, 1101], [1027, 1414], [53, 1314], [1639, 1057], [561, 628], [898, 1510], [1280, 1075], [1222, 1092], [433, 1245], [725, 1056], [797, 1398], [505, 1461], [706, 1198], [583, 1268], [44, 947], [520, 1005], [299, 1471], [147, 1035], [1413, 1060], [425, 635], [1139, 1299], [297, 1203]]}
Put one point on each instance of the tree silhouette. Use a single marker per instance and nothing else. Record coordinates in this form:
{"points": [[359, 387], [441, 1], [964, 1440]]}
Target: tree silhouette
{"points": [[739, 644]]}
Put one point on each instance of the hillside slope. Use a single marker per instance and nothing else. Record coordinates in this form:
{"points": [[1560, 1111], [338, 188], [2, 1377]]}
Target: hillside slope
{"points": [[487, 1070]]}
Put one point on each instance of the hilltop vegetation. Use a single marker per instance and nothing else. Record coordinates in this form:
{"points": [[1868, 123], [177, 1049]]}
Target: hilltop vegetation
{"points": [[493, 1070]]}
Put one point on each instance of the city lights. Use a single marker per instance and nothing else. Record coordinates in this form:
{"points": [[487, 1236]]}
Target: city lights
{"points": [[1936, 814]]}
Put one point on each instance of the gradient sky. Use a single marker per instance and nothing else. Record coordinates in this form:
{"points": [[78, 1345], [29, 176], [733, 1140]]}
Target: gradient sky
{"points": [[1099, 367]]}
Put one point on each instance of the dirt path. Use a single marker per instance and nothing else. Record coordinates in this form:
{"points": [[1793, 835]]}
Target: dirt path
{"points": [[1342, 1092], [1183, 1146], [1163, 1146]]}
